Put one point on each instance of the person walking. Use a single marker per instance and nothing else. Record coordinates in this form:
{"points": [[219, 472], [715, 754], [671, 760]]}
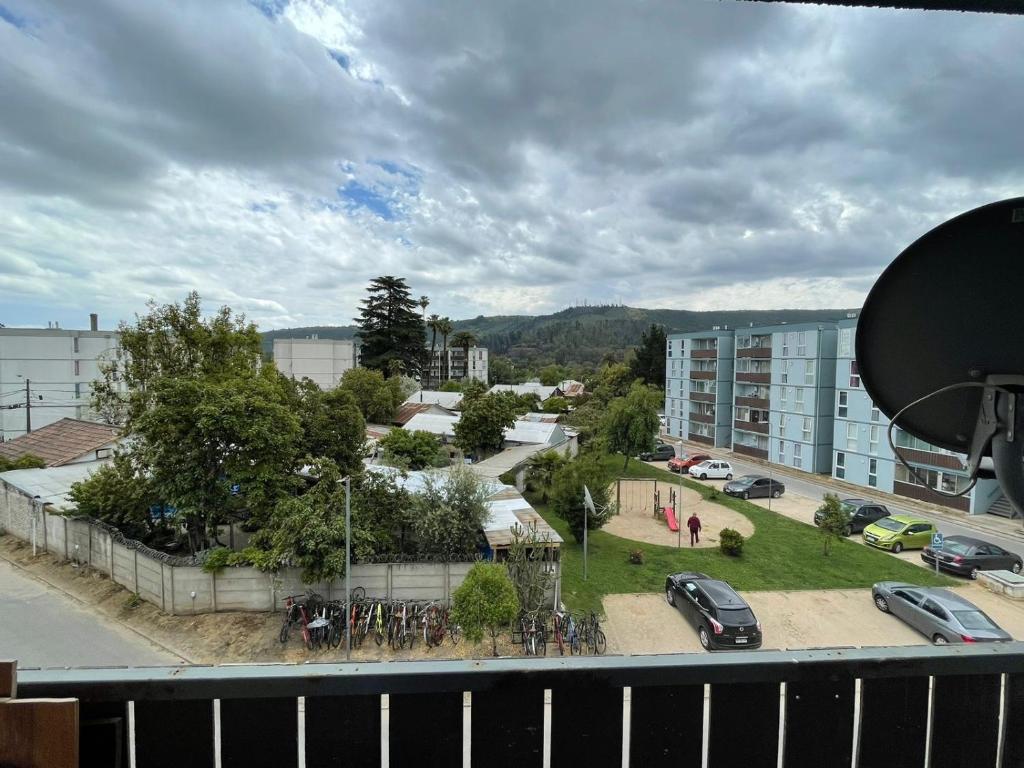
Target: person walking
{"points": [[694, 525]]}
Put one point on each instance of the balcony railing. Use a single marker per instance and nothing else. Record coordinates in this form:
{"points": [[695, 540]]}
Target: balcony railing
{"points": [[703, 374], [840, 707], [759, 352], [705, 354], [750, 450], [753, 378], [932, 458], [699, 438], [704, 418], [703, 397], [761, 427], [761, 403], [921, 493]]}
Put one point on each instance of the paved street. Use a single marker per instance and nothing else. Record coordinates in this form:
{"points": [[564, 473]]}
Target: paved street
{"points": [[803, 484], [42, 627]]}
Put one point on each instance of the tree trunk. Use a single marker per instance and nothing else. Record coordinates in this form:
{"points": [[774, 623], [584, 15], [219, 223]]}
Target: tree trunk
{"points": [[625, 465], [433, 346]]}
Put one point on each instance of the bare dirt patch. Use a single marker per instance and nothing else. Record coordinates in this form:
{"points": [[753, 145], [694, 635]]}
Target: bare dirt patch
{"points": [[636, 520], [213, 638]]}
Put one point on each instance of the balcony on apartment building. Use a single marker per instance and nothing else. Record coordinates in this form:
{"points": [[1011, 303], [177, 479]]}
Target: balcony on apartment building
{"points": [[752, 377], [754, 346], [703, 418], [703, 354], [752, 402], [703, 397], [760, 427], [954, 704], [750, 450], [705, 375], [697, 437]]}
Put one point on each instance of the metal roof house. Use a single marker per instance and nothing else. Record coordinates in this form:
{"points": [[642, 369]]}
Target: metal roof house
{"points": [[531, 388], [449, 400], [67, 441]]}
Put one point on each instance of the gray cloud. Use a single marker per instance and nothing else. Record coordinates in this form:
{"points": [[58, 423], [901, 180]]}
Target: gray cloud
{"points": [[506, 157]]}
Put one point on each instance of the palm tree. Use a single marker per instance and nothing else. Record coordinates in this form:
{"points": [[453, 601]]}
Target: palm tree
{"points": [[444, 327], [541, 470], [464, 339], [432, 325], [424, 302]]}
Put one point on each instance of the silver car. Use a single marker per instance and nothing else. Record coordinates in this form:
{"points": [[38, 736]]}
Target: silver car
{"points": [[938, 614]]}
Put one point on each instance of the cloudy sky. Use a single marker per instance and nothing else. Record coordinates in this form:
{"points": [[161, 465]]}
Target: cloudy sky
{"points": [[505, 157]]}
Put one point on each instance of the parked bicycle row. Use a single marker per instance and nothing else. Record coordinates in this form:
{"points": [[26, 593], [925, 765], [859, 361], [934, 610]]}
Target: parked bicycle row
{"points": [[570, 633], [398, 623]]}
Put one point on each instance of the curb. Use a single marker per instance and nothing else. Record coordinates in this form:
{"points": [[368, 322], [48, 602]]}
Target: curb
{"points": [[922, 507], [80, 601]]}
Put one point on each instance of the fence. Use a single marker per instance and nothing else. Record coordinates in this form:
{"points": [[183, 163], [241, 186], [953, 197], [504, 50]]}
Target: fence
{"points": [[179, 585]]}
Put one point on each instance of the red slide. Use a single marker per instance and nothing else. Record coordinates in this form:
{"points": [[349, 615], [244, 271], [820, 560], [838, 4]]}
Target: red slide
{"points": [[673, 524]]}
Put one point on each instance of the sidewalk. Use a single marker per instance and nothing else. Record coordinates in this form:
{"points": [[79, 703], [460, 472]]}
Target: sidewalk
{"points": [[983, 523]]}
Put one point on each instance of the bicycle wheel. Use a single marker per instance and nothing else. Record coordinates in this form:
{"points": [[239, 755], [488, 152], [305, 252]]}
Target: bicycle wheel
{"points": [[455, 633], [542, 644], [283, 636], [600, 641], [358, 594], [307, 638], [575, 646]]}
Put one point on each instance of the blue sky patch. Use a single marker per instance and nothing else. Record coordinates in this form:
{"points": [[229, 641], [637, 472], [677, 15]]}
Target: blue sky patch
{"points": [[12, 18], [270, 8], [267, 206], [343, 61], [360, 196]]}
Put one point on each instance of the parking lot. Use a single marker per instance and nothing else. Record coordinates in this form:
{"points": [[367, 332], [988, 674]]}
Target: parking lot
{"points": [[645, 623]]}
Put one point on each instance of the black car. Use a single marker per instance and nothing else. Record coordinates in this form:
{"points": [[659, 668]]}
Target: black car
{"points": [[860, 513], [721, 617], [966, 556], [661, 452], [754, 486]]}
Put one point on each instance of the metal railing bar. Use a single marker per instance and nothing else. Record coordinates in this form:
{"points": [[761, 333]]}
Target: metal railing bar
{"points": [[333, 679]]}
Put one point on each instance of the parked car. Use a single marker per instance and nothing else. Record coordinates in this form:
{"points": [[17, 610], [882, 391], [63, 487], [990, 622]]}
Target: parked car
{"points": [[966, 556], [713, 469], [754, 486], [899, 532], [721, 617], [684, 461], [938, 614], [860, 514], [661, 452]]}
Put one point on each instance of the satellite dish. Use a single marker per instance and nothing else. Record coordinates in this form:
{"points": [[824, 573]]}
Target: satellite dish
{"points": [[939, 345]]}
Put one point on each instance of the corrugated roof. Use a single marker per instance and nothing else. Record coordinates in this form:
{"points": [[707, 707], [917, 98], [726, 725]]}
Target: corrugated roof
{"points": [[51, 484], [60, 442], [447, 400], [534, 432], [544, 418], [572, 388], [506, 507], [434, 423], [539, 390], [407, 410]]}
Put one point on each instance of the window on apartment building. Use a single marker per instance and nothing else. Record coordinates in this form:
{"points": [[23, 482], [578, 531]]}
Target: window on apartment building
{"points": [[876, 415], [851, 436], [854, 375], [742, 414], [78, 390], [784, 376], [798, 455], [670, 348], [950, 482], [782, 452], [873, 435], [800, 399], [782, 396], [807, 428], [78, 368], [842, 404], [801, 344], [785, 344], [742, 342], [782, 422], [75, 344], [840, 465], [762, 444], [809, 373], [873, 473], [845, 342]]}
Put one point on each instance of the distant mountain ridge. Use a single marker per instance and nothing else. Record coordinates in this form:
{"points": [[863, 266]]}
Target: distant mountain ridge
{"points": [[584, 334]]}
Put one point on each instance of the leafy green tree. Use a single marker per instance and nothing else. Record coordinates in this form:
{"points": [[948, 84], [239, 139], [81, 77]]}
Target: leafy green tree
{"points": [[450, 386], [407, 387], [119, 495], [472, 389], [555, 405], [632, 422], [332, 425], [552, 375], [486, 600], [389, 328], [382, 509], [481, 428], [28, 461], [411, 450], [567, 493], [648, 363], [501, 371], [611, 381], [834, 523], [541, 469], [450, 512], [308, 531], [378, 398]]}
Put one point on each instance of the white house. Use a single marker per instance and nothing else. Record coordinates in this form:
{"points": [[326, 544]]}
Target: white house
{"points": [[458, 366], [47, 374], [323, 361]]}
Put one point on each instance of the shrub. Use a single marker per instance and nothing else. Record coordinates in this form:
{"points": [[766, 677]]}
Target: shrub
{"points": [[636, 557], [730, 542], [485, 600]]}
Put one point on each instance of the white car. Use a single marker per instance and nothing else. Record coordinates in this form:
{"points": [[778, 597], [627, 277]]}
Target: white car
{"points": [[714, 469]]}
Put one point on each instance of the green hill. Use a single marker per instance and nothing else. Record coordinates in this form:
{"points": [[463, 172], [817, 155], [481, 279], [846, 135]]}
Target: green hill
{"points": [[584, 335]]}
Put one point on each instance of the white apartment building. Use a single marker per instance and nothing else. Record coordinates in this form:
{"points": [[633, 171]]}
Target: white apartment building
{"points": [[54, 369], [323, 361], [458, 365]]}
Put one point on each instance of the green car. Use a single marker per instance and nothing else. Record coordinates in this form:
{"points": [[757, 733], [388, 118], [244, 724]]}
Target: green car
{"points": [[899, 532]]}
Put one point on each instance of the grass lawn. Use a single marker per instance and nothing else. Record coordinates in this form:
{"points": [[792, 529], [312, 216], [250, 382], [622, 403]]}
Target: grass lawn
{"points": [[782, 554]]}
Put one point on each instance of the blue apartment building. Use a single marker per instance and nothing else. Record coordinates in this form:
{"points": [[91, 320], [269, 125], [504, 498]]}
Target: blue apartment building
{"points": [[699, 386], [861, 452]]}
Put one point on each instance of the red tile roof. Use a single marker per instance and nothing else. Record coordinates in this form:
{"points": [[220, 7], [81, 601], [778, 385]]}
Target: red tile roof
{"points": [[60, 442]]}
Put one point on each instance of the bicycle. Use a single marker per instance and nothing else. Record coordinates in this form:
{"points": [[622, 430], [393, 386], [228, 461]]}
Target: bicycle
{"points": [[293, 616], [596, 641], [534, 643]]}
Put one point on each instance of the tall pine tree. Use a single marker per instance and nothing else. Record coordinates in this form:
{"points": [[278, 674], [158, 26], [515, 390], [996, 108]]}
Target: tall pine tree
{"points": [[649, 362], [391, 331]]}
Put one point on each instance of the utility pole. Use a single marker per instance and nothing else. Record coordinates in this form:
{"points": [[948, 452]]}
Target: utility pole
{"points": [[28, 407]]}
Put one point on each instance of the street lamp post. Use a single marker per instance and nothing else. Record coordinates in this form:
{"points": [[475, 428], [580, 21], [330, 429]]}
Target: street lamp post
{"points": [[679, 511], [348, 567]]}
